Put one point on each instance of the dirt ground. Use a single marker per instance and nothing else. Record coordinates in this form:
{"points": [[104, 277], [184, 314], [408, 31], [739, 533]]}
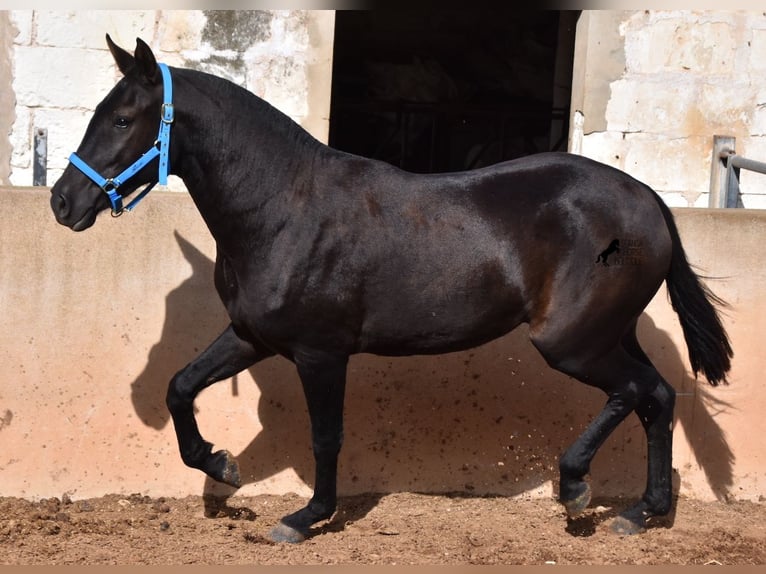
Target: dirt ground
{"points": [[390, 529]]}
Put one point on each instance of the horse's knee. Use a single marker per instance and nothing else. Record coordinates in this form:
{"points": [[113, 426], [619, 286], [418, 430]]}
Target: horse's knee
{"points": [[657, 406], [327, 443], [177, 397], [666, 395]]}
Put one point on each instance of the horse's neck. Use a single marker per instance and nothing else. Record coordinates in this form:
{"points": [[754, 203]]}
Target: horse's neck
{"points": [[240, 158]]}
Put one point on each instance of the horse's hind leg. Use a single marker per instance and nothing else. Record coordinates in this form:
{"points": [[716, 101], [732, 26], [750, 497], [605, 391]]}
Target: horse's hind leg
{"points": [[656, 414], [629, 380], [324, 380], [655, 411], [227, 356], [631, 383], [574, 464]]}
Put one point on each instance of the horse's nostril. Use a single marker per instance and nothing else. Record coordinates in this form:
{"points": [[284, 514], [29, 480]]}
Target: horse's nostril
{"points": [[60, 205]]}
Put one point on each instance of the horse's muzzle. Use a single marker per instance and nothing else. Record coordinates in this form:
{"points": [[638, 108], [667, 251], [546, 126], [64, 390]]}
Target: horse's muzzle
{"points": [[66, 214]]}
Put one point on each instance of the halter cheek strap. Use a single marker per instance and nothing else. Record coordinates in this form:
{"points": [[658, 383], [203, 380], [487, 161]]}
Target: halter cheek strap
{"points": [[161, 149]]}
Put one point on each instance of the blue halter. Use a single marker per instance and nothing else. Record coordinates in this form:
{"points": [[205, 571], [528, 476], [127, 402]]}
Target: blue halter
{"points": [[110, 185]]}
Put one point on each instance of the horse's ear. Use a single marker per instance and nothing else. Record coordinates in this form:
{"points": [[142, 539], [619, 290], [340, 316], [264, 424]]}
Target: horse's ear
{"points": [[125, 62], [146, 62]]}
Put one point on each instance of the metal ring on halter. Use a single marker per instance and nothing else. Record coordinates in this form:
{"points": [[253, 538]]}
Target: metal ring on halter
{"points": [[110, 188], [117, 211]]}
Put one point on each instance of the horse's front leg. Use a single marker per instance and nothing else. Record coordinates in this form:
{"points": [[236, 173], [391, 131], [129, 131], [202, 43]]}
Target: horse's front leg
{"points": [[227, 356], [324, 381]]}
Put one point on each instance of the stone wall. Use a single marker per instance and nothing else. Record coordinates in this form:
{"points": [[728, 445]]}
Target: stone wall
{"points": [[652, 88], [62, 67], [7, 101]]}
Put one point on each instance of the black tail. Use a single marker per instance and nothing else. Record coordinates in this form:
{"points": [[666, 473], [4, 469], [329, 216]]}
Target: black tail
{"points": [[708, 343]]}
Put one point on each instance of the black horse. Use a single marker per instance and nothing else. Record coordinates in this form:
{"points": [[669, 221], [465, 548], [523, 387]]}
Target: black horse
{"points": [[322, 254]]}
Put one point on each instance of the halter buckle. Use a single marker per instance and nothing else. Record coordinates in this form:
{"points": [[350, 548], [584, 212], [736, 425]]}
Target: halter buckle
{"points": [[167, 113]]}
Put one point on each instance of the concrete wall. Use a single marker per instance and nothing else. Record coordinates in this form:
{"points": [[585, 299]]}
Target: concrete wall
{"points": [[62, 67], [95, 324], [652, 88]]}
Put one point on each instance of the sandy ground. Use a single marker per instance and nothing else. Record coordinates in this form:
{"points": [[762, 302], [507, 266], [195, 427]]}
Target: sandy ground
{"points": [[402, 528]]}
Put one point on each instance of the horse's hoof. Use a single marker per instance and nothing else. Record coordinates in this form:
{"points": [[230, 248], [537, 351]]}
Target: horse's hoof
{"points": [[227, 468], [577, 505], [284, 533], [626, 527]]}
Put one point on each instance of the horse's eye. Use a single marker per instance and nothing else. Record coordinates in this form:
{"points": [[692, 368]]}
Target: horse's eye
{"points": [[121, 122]]}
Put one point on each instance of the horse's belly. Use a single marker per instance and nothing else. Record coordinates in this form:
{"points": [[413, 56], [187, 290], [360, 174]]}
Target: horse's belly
{"points": [[411, 330]]}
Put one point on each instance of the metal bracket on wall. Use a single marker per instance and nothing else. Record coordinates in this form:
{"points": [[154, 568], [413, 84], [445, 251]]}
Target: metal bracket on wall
{"points": [[725, 172], [40, 162]]}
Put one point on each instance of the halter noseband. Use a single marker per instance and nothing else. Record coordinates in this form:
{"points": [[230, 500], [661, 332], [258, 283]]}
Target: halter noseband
{"points": [[110, 185]]}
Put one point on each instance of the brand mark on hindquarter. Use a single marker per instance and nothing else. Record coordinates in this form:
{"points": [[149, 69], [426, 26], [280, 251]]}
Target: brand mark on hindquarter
{"points": [[622, 252]]}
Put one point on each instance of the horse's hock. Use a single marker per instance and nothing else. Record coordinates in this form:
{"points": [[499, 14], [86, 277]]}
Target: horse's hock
{"points": [[96, 324]]}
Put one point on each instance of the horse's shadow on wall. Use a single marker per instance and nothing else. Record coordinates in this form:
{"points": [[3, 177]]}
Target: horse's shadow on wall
{"points": [[480, 422]]}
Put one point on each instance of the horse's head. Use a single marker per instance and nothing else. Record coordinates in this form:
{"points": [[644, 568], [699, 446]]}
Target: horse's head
{"points": [[122, 129]]}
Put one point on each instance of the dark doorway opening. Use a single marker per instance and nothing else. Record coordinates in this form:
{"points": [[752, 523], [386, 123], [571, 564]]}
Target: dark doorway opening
{"points": [[449, 90]]}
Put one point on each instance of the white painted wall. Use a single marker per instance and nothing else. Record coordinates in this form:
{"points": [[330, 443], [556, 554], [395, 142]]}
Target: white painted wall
{"points": [[653, 87], [62, 67], [656, 86]]}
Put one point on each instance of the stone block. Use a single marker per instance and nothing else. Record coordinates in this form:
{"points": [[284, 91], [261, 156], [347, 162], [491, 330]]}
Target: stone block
{"points": [[20, 138], [674, 199], [682, 45], [651, 105], [727, 106], [65, 131], [669, 164], [22, 21], [87, 28], [641, 55], [21, 176], [606, 147], [181, 30], [62, 77], [282, 81], [758, 121], [758, 50], [754, 201], [703, 200], [752, 183]]}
